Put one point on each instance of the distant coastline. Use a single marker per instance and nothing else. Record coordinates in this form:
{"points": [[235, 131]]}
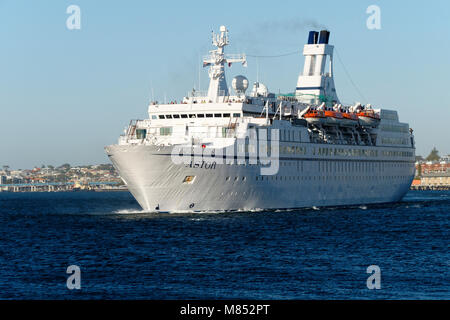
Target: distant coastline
{"points": [[64, 178]]}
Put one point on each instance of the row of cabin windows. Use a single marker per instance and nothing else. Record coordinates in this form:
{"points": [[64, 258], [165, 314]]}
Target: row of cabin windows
{"points": [[167, 131], [397, 154], [345, 152], [358, 152], [313, 178], [327, 178], [195, 115], [347, 167], [403, 141], [395, 128]]}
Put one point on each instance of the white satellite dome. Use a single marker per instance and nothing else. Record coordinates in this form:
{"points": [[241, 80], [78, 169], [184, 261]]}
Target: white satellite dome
{"points": [[240, 84], [262, 90], [259, 90]]}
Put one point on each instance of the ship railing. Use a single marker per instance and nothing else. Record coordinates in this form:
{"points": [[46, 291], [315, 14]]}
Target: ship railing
{"points": [[203, 94], [235, 56], [197, 94]]}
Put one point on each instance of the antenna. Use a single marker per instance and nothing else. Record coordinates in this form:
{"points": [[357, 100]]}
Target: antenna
{"points": [[152, 94], [199, 71], [257, 69]]}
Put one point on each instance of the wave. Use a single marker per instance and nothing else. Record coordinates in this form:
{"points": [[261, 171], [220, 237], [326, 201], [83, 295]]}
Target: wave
{"points": [[130, 211]]}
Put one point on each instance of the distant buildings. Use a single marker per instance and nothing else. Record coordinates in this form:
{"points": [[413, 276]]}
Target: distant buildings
{"points": [[87, 177], [432, 174], [439, 180]]}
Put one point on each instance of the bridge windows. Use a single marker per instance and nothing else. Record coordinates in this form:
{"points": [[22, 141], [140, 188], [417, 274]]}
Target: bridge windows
{"points": [[195, 115]]}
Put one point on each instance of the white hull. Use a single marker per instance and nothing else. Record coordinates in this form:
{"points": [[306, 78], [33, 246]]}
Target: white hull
{"points": [[157, 183]]}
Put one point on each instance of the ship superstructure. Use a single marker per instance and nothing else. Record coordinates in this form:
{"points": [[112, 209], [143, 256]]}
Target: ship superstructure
{"points": [[218, 151]]}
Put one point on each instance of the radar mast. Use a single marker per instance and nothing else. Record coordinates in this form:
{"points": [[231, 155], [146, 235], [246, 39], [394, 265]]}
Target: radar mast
{"points": [[216, 62]]}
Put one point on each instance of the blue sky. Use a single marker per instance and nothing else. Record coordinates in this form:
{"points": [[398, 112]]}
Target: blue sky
{"points": [[65, 94]]}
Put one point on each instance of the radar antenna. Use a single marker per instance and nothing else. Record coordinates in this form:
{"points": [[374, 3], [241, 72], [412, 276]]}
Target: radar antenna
{"points": [[216, 62]]}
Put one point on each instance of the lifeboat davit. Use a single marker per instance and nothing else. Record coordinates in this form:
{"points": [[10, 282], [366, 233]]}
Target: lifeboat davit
{"points": [[368, 118]]}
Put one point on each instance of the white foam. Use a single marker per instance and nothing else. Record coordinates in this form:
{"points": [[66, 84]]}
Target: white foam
{"points": [[130, 211]]}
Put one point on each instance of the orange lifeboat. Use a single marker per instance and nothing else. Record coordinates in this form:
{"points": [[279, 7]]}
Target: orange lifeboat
{"points": [[314, 116], [368, 118], [349, 119], [333, 117]]}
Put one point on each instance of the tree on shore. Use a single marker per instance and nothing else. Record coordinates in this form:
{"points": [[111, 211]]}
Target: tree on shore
{"points": [[434, 155], [64, 166]]}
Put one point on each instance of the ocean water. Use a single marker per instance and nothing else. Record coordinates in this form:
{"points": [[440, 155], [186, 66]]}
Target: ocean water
{"points": [[314, 253]]}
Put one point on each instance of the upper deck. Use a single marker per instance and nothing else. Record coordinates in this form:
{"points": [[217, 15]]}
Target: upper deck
{"points": [[313, 112]]}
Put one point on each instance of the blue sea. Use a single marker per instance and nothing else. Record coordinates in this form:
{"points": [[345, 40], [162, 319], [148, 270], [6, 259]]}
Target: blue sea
{"points": [[314, 253]]}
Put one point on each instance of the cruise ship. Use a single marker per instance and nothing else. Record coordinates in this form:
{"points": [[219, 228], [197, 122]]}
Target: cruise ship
{"points": [[232, 149]]}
